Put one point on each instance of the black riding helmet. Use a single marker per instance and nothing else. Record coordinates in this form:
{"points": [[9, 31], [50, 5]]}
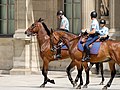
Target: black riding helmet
{"points": [[102, 21], [60, 12], [93, 14]]}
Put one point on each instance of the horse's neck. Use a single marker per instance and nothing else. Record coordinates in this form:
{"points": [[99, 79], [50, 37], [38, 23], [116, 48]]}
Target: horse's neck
{"points": [[70, 36], [70, 39], [42, 37]]}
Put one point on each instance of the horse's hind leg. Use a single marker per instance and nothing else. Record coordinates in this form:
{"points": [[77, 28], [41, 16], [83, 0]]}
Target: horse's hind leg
{"points": [[87, 74], [80, 69], [44, 73], [113, 72], [72, 64], [102, 72]]}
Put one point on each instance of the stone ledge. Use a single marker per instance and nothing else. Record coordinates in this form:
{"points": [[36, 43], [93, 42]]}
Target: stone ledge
{"points": [[5, 72], [20, 34], [20, 72]]}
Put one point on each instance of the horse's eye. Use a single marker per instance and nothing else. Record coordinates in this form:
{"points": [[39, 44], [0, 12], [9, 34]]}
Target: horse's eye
{"points": [[32, 24]]}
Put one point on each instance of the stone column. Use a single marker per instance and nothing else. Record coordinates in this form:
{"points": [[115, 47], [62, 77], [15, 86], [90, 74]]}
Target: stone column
{"points": [[87, 7], [21, 57], [20, 14], [112, 17], [35, 59], [29, 13]]}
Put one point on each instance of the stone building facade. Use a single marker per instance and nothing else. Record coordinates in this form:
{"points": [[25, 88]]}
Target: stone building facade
{"points": [[19, 53]]}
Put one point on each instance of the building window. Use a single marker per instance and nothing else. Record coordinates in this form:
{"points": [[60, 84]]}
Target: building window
{"points": [[7, 17], [72, 12]]}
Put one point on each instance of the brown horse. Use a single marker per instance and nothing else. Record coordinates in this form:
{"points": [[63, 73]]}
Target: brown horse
{"points": [[109, 51], [40, 29]]}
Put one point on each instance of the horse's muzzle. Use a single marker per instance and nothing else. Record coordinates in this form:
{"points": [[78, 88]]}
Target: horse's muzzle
{"points": [[25, 32], [28, 33]]}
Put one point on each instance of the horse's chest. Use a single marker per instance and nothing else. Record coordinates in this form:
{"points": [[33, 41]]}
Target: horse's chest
{"points": [[44, 47]]}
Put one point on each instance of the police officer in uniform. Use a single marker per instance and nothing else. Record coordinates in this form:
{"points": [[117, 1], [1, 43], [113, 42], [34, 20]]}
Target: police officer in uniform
{"points": [[93, 35], [64, 25], [104, 31]]}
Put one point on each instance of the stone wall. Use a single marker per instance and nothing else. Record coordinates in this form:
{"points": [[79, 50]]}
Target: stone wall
{"points": [[6, 55], [45, 9]]}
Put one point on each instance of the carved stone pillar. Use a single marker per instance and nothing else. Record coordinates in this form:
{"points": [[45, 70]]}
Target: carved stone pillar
{"points": [[112, 17], [87, 7]]}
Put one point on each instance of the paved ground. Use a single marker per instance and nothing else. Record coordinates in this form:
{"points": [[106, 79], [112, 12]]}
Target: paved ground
{"points": [[32, 82]]}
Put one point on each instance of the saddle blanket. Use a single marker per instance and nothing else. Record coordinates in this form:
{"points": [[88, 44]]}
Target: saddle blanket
{"points": [[93, 50], [64, 47]]}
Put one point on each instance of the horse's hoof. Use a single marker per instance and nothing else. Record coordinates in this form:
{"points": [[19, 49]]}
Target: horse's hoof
{"points": [[85, 86], [104, 88], [101, 83], [79, 87], [74, 84], [42, 86], [52, 81]]}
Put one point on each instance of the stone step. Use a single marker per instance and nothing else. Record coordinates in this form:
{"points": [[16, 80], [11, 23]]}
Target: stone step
{"points": [[20, 72]]}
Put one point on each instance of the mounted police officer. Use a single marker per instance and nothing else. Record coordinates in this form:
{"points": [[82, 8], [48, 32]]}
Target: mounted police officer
{"points": [[104, 31], [64, 25], [93, 35]]}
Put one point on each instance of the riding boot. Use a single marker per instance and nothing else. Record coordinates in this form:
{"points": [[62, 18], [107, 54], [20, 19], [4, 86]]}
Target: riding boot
{"points": [[87, 56], [58, 55]]}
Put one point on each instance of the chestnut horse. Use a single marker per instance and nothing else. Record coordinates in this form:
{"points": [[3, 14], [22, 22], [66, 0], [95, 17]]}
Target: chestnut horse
{"points": [[109, 51], [40, 29]]}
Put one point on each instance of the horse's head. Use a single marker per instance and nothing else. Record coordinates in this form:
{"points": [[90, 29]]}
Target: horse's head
{"points": [[84, 34], [34, 28]]}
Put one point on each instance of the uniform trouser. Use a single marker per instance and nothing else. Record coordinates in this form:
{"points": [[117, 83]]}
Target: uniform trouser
{"points": [[86, 46]]}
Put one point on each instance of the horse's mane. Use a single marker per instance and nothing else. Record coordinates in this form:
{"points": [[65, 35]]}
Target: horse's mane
{"points": [[69, 33], [45, 26]]}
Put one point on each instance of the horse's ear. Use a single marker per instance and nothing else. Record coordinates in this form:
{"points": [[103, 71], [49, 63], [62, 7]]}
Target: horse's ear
{"points": [[42, 20], [86, 30], [39, 20], [51, 30]]}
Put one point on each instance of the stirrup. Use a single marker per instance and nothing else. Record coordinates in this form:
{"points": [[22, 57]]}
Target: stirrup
{"points": [[58, 56], [53, 49], [86, 59]]}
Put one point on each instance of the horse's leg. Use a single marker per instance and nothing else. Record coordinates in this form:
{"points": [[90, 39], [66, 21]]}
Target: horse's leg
{"points": [[78, 76], [113, 72], [97, 67], [80, 69], [44, 73], [101, 66], [72, 64], [90, 66], [85, 64]]}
